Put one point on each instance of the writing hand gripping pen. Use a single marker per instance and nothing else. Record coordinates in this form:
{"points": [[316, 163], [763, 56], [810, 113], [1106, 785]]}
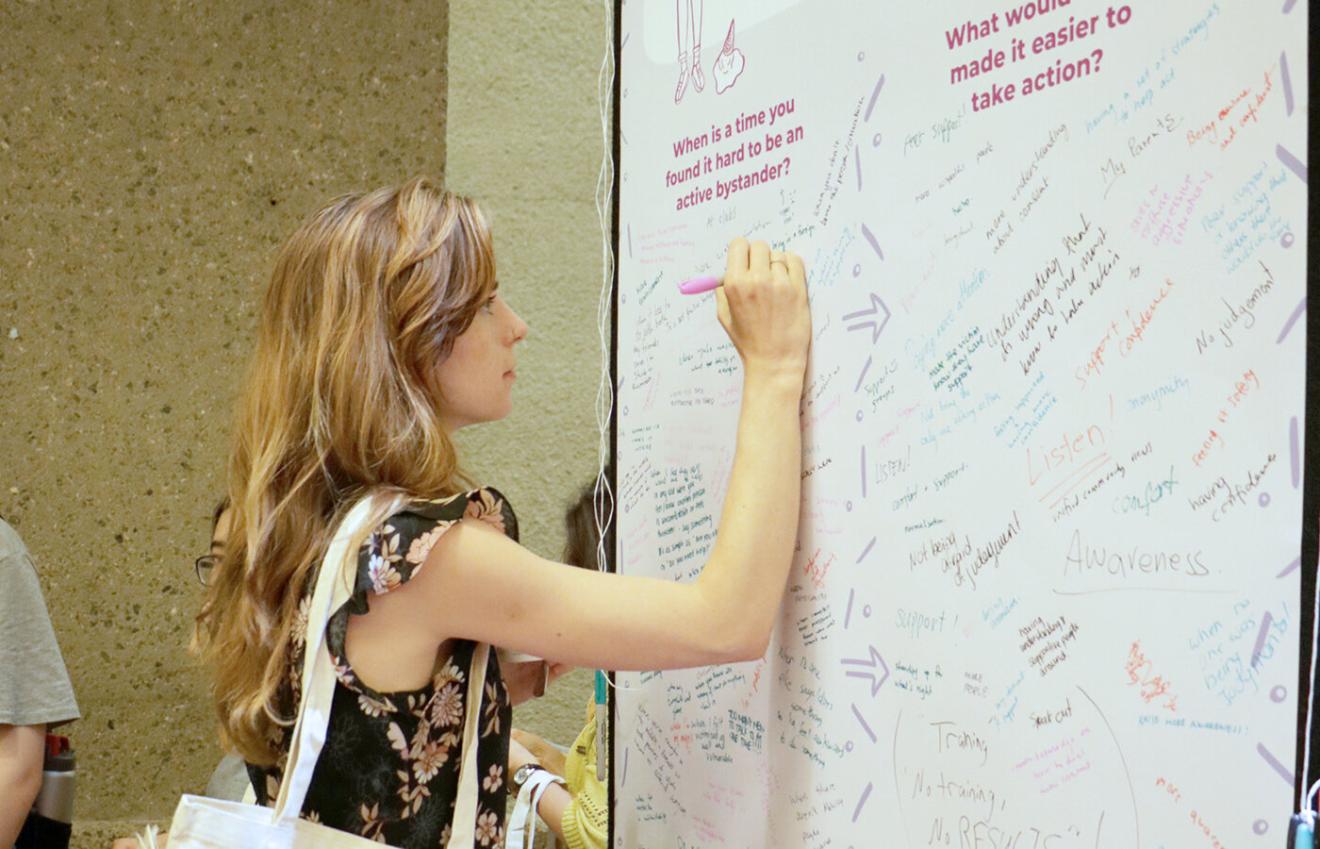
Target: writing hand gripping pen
{"points": [[698, 285]]}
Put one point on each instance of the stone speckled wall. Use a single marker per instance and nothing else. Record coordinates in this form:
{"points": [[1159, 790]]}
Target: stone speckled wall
{"points": [[152, 154], [524, 136]]}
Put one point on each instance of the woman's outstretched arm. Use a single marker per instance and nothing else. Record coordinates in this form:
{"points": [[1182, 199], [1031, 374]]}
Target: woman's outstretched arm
{"points": [[478, 584]]}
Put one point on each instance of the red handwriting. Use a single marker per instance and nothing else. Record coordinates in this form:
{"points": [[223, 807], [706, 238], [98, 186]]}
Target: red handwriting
{"points": [[1169, 788], [1206, 444], [1127, 334], [756, 683], [681, 732], [1223, 128], [817, 568], [1198, 821], [1246, 384], [1153, 686], [1072, 448]]}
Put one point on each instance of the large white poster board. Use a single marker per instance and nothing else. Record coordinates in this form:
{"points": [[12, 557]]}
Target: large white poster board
{"points": [[1045, 595]]}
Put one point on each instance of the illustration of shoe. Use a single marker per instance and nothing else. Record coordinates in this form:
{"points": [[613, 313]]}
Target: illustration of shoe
{"points": [[728, 65], [698, 75], [681, 88]]}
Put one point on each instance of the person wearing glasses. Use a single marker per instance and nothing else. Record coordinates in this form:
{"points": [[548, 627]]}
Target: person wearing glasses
{"points": [[382, 332], [35, 692], [229, 780]]}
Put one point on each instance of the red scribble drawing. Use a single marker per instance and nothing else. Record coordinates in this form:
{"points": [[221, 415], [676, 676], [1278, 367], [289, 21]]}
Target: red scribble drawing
{"points": [[688, 15], [1141, 671], [728, 65]]}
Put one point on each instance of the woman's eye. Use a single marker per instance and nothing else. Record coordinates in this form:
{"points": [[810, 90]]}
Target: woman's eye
{"points": [[490, 304]]}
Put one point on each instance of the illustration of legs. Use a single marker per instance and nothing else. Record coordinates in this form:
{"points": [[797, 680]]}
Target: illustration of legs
{"points": [[687, 23], [698, 76]]}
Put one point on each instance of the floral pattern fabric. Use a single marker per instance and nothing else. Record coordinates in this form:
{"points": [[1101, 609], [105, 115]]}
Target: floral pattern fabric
{"points": [[389, 767]]}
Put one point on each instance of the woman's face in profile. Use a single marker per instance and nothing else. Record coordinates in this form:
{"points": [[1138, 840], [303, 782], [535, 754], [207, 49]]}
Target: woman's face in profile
{"points": [[476, 379]]}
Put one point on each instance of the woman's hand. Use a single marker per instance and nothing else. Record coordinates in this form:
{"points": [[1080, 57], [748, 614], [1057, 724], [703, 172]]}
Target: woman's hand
{"points": [[519, 756], [526, 681], [546, 754], [763, 307]]}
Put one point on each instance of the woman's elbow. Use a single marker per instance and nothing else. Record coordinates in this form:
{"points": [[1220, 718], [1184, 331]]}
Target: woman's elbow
{"points": [[753, 649], [728, 635], [743, 643]]}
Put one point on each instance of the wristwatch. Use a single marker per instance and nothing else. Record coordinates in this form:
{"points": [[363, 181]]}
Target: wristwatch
{"points": [[523, 773]]}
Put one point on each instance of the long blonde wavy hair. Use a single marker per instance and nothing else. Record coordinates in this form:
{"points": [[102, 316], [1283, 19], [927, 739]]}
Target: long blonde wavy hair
{"points": [[341, 400]]}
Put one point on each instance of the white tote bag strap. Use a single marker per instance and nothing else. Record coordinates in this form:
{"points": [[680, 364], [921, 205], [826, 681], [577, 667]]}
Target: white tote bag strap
{"points": [[334, 586], [462, 833]]}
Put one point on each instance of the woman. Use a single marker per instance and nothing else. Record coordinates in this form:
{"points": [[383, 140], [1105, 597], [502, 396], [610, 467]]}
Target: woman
{"points": [[381, 333]]}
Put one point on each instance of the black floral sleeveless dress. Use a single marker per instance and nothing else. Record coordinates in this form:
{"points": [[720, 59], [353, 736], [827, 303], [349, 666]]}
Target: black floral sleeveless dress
{"points": [[389, 768]]}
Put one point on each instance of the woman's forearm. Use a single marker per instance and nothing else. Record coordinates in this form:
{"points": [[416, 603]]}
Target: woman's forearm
{"points": [[744, 578], [554, 801]]}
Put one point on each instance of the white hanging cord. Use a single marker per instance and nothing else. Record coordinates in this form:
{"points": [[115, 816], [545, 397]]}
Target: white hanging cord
{"points": [[1307, 802], [603, 497], [602, 494]]}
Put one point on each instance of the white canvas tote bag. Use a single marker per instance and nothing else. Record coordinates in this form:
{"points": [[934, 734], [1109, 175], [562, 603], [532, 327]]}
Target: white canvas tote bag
{"points": [[203, 823]]}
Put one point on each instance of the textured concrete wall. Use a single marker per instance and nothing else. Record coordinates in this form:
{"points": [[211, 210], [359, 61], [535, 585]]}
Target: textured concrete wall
{"points": [[152, 154], [524, 136]]}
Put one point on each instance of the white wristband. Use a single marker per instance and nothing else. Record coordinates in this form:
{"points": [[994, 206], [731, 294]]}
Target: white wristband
{"points": [[538, 782], [522, 820]]}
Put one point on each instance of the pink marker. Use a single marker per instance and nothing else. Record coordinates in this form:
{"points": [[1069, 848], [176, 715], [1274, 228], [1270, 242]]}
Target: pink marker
{"points": [[697, 285]]}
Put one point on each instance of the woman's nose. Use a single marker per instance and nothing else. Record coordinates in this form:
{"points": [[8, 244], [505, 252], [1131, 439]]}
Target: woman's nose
{"points": [[519, 327]]}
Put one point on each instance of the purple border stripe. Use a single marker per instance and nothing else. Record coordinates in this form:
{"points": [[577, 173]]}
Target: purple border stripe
{"points": [[866, 794], [1287, 7], [630, 253], [1287, 82], [869, 733], [1296, 455], [1292, 319], [867, 368], [870, 237], [623, 775], [857, 160], [865, 551], [1291, 161], [847, 617], [1260, 637], [879, 84], [1290, 568], [1274, 762]]}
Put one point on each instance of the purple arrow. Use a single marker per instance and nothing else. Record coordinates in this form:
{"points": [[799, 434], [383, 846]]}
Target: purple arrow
{"points": [[874, 662], [876, 323]]}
